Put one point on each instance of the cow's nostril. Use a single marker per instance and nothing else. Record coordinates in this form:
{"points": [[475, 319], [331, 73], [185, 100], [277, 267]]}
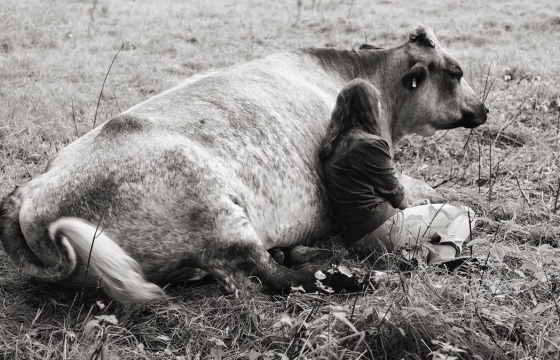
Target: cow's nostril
{"points": [[486, 109]]}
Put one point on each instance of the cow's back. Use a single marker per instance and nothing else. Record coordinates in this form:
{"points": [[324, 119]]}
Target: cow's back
{"points": [[263, 120], [251, 132]]}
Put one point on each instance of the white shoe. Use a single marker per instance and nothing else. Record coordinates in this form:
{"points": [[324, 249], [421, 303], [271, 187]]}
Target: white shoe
{"points": [[444, 251]]}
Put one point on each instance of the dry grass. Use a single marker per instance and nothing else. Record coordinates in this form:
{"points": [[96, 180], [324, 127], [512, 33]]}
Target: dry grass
{"points": [[53, 59]]}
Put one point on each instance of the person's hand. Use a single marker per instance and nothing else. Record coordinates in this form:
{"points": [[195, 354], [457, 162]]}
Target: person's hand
{"points": [[404, 203], [420, 202]]}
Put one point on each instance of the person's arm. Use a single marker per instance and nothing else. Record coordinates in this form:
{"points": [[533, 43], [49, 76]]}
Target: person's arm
{"points": [[378, 165], [404, 203], [420, 202]]}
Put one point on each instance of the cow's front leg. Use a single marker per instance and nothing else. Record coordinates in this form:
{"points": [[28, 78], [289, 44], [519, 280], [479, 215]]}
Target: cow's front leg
{"points": [[417, 190]]}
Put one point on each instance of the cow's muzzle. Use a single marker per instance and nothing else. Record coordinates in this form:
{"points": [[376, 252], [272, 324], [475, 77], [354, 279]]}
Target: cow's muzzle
{"points": [[476, 117]]}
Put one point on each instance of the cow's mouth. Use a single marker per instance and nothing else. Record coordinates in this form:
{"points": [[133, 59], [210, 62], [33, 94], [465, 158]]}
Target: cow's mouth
{"points": [[469, 122], [472, 119]]}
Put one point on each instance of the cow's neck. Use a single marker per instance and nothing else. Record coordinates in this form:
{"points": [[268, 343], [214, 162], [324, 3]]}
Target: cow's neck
{"points": [[386, 128], [348, 64], [383, 73], [395, 130], [371, 66]]}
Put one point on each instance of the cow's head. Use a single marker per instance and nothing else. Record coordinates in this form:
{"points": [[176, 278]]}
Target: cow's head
{"points": [[427, 89]]}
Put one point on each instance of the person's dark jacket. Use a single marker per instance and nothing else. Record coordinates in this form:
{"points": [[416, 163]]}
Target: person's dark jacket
{"points": [[361, 184]]}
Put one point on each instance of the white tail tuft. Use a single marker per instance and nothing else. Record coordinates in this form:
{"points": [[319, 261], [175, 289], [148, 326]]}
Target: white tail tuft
{"points": [[121, 275]]}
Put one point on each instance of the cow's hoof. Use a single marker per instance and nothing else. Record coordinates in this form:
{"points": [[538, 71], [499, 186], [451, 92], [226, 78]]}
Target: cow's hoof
{"points": [[386, 279], [303, 255], [278, 256]]}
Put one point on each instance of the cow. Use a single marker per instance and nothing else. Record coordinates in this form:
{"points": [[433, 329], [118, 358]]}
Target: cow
{"points": [[209, 175]]}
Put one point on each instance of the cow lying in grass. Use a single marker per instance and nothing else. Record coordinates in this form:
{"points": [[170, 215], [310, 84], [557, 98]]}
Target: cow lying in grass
{"points": [[212, 173]]}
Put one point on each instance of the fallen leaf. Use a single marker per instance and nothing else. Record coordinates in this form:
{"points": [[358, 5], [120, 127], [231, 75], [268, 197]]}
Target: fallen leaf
{"points": [[498, 254], [282, 356], [322, 286], [91, 327], [344, 270], [457, 329], [320, 276], [216, 353], [285, 321], [543, 248], [163, 338], [540, 308], [297, 289], [477, 241], [110, 319], [485, 219], [217, 341], [529, 266], [540, 275], [254, 355], [342, 317], [418, 310]]}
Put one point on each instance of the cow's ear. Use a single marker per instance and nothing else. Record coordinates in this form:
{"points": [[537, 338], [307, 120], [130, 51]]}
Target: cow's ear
{"points": [[369, 47], [415, 76]]}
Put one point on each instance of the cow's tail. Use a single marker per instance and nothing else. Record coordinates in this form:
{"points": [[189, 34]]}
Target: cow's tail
{"points": [[77, 244], [120, 276]]}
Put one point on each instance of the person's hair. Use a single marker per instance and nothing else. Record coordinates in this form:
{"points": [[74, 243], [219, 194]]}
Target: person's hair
{"points": [[356, 109]]}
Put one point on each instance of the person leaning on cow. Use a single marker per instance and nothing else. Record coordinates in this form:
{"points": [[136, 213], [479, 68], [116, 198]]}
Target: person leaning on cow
{"points": [[368, 201]]}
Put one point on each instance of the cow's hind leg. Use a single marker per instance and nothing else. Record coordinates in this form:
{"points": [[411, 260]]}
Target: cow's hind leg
{"points": [[236, 253], [233, 266]]}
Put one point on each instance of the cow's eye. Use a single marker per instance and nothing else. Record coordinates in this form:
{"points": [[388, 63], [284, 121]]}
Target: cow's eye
{"points": [[456, 74]]}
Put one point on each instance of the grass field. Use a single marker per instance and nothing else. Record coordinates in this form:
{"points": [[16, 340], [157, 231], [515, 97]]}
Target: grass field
{"points": [[53, 59]]}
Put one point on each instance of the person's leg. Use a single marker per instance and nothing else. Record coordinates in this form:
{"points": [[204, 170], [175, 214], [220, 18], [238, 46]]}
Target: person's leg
{"points": [[377, 241], [417, 227], [422, 226]]}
